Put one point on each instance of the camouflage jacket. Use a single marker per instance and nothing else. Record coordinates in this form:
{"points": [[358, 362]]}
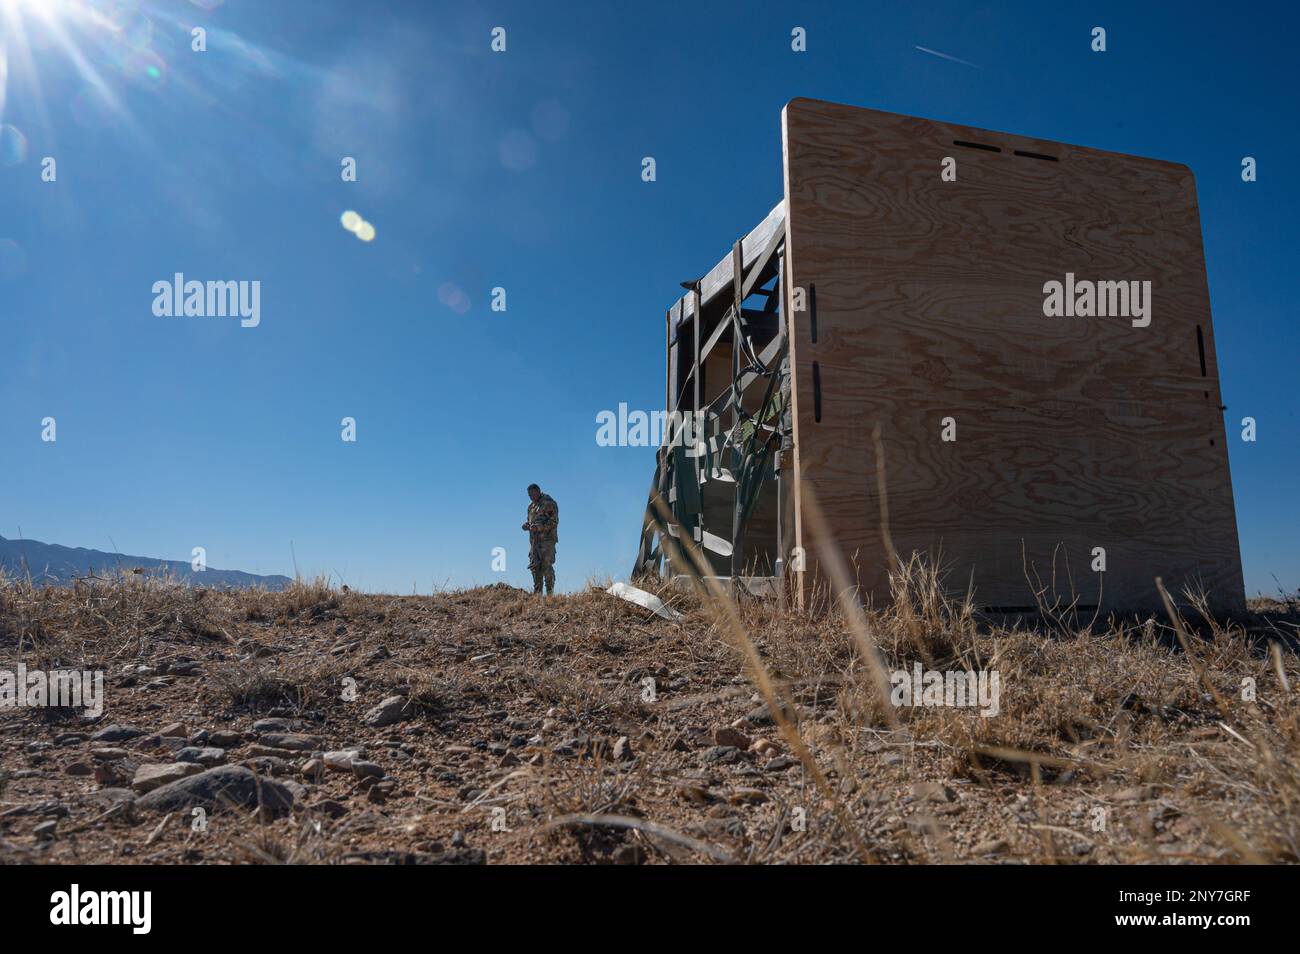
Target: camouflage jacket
{"points": [[545, 513]]}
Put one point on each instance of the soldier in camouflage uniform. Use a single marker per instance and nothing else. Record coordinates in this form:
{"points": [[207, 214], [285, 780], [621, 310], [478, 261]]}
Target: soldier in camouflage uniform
{"points": [[542, 525]]}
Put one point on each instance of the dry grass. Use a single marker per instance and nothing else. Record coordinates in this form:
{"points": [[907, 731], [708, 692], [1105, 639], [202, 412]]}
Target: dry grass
{"points": [[1122, 742]]}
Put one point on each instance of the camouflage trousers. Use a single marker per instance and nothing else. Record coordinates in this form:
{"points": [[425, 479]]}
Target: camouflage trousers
{"points": [[541, 560]]}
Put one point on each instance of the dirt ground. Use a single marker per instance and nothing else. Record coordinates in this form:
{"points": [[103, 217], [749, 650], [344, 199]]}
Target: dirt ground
{"points": [[490, 725]]}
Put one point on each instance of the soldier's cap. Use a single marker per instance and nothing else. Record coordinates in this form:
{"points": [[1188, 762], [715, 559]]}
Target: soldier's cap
{"points": [[534, 487]]}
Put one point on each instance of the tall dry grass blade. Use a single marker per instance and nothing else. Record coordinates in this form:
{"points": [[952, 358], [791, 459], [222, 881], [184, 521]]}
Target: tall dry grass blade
{"points": [[1192, 658], [879, 447], [1275, 652], [850, 605], [725, 608]]}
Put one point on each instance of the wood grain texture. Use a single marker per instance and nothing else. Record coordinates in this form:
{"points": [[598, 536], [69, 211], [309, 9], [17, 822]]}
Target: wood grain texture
{"points": [[1072, 433]]}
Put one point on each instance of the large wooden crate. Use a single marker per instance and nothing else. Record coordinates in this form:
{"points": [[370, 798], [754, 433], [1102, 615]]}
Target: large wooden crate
{"points": [[925, 301]]}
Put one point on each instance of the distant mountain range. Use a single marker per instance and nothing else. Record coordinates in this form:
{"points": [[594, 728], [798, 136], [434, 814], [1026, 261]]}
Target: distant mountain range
{"points": [[53, 565]]}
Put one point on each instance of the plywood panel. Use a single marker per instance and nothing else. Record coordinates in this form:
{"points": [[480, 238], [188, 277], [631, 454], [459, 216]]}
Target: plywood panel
{"points": [[1072, 433]]}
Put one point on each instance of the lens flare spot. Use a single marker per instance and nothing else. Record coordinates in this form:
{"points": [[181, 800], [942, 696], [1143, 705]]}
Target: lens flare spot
{"points": [[137, 32], [518, 151], [451, 295], [145, 67], [13, 260], [366, 232], [13, 146], [351, 221]]}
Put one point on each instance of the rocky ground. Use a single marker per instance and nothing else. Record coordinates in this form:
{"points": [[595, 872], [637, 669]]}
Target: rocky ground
{"points": [[322, 726]]}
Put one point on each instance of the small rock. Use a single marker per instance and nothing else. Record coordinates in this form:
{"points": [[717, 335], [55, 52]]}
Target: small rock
{"points": [[747, 796], [387, 712], [117, 733], [722, 754], [362, 769], [298, 790], [341, 761], [269, 765], [209, 756], [293, 741], [47, 807], [765, 748], [79, 768], [149, 777], [45, 831], [314, 769], [996, 846], [108, 754], [176, 730], [623, 749], [272, 725], [269, 751], [694, 794], [330, 808], [728, 736], [780, 764], [215, 787], [225, 738], [763, 714], [112, 775]]}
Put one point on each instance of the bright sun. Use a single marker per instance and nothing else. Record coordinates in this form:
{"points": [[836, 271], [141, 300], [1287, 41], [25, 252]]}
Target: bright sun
{"points": [[36, 9], [106, 45]]}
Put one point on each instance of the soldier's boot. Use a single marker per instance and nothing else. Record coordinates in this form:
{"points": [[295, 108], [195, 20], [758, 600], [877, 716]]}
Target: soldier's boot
{"points": [[537, 581], [550, 582]]}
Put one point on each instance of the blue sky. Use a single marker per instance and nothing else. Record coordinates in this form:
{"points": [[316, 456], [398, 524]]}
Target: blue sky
{"points": [[520, 170]]}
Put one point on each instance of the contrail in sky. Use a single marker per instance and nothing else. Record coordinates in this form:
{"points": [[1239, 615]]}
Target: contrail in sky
{"points": [[947, 57]]}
